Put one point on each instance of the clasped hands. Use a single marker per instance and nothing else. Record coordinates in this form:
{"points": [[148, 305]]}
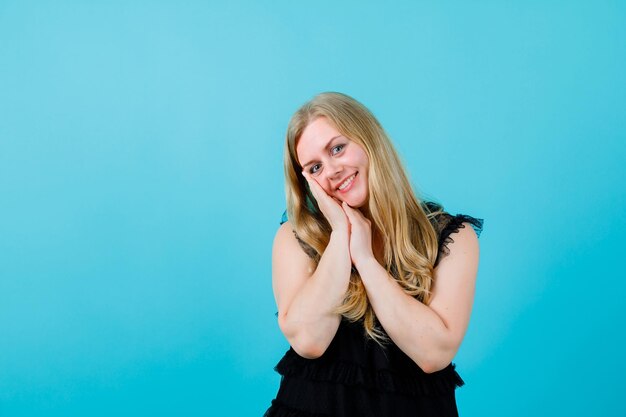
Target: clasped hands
{"points": [[343, 217]]}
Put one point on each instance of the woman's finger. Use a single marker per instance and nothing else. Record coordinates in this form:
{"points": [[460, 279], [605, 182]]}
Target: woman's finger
{"points": [[353, 214], [312, 186], [328, 204], [348, 210], [316, 189]]}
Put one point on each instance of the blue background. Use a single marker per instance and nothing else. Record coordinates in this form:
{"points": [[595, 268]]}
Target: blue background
{"points": [[141, 186]]}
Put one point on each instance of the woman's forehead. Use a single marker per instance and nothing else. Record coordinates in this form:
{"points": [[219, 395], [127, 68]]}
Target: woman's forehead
{"points": [[316, 135]]}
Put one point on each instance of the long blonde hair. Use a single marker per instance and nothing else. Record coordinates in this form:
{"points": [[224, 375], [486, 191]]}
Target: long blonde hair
{"points": [[398, 216]]}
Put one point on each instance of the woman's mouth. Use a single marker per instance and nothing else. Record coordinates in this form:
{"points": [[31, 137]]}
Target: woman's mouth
{"points": [[347, 184]]}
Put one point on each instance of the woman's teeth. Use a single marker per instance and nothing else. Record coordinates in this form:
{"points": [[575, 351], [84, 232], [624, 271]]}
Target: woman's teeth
{"points": [[346, 182]]}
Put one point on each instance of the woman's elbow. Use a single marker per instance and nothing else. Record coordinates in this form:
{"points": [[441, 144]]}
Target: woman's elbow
{"points": [[432, 367], [302, 344], [308, 352], [437, 362]]}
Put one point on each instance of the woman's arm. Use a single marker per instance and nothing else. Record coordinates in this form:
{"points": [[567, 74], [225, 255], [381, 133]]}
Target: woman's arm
{"points": [[430, 335], [305, 298]]}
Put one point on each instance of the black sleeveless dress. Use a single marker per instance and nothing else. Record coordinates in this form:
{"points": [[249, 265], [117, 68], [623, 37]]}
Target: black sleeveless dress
{"points": [[356, 377]]}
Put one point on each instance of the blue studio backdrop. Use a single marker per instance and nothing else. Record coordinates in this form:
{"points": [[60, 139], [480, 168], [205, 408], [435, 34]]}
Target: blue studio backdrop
{"points": [[141, 185]]}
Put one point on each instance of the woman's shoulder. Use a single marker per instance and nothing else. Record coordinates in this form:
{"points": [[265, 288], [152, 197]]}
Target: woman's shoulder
{"points": [[447, 224], [287, 229]]}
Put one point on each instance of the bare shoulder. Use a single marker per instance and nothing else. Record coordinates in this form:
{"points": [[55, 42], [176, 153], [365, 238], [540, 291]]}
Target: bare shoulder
{"points": [[284, 233], [286, 243], [291, 267], [465, 240], [463, 251]]}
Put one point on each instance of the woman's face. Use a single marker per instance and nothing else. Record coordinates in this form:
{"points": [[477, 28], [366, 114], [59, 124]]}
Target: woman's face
{"points": [[331, 159]]}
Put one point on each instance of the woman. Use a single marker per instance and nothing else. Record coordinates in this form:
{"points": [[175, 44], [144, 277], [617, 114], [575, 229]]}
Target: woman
{"points": [[374, 287]]}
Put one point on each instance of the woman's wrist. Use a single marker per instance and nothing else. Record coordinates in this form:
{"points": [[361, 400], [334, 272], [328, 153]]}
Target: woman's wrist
{"points": [[367, 263], [342, 230]]}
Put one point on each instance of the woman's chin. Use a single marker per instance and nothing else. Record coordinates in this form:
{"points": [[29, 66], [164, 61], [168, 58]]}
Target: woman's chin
{"points": [[355, 203], [354, 198]]}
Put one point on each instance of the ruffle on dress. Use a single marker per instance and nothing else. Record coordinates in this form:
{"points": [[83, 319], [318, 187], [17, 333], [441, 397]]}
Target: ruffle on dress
{"points": [[452, 225], [414, 382]]}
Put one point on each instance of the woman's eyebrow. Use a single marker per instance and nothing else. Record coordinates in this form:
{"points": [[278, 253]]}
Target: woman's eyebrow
{"points": [[325, 148]]}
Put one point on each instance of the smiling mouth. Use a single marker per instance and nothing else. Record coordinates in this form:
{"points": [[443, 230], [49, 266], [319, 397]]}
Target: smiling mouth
{"points": [[347, 183]]}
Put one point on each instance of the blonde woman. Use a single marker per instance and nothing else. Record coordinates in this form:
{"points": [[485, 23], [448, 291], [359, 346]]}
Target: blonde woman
{"points": [[374, 287]]}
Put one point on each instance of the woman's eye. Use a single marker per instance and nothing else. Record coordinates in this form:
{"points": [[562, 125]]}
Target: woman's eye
{"points": [[339, 147]]}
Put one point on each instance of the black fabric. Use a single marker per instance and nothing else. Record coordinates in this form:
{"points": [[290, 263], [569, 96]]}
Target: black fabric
{"points": [[356, 377]]}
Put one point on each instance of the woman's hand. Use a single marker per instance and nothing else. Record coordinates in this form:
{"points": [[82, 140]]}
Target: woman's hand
{"points": [[329, 206], [360, 235]]}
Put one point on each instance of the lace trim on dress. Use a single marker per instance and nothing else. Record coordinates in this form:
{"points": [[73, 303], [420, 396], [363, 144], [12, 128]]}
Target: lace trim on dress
{"points": [[452, 224], [417, 382]]}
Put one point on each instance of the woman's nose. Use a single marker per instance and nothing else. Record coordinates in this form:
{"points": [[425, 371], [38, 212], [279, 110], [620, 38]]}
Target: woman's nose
{"points": [[334, 172]]}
